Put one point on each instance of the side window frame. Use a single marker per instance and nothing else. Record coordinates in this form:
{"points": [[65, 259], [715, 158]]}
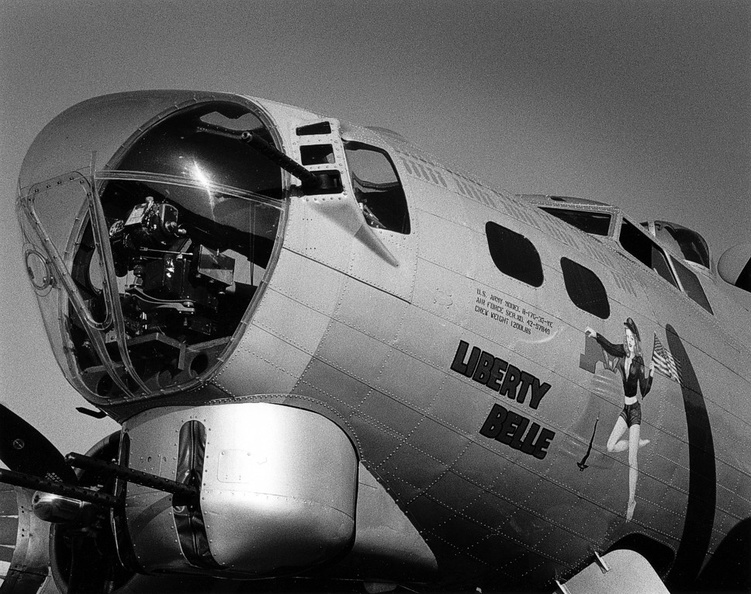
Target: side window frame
{"points": [[585, 289], [691, 285], [391, 213], [514, 255]]}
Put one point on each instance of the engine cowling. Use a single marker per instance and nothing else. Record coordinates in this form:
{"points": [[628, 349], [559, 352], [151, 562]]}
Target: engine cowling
{"points": [[24, 556], [82, 549], [278, 490]]}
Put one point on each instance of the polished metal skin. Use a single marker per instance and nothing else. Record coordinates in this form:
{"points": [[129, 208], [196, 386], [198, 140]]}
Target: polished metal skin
{"points": [[278, 488], [471, 404]]}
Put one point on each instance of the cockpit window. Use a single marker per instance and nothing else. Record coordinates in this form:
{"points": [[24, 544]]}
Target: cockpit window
{"points": [[594, 223], [377, 188], [692, 285], [645, 250], [692, 245]]}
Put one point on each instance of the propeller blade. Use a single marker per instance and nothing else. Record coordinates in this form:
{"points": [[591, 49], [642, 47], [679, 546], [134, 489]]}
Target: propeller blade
{"points": [[24, 449]]}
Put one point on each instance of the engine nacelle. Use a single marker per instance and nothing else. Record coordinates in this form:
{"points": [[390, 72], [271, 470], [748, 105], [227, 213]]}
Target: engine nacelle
{"points": [[278, 490], [24, 540]]}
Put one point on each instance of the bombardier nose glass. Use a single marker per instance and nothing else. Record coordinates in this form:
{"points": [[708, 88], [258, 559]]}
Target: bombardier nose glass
{"points": [[166, 256]]}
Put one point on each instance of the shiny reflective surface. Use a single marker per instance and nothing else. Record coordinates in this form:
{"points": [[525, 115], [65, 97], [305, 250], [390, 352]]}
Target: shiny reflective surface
{"points": [[145, 270], [269, 501]]}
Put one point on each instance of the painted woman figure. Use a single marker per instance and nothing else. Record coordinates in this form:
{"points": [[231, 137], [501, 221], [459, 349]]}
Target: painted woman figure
{"points": [[629, 361]]}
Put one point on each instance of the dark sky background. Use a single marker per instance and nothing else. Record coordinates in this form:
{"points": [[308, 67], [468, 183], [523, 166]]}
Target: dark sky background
{"points": [[642, 104]]}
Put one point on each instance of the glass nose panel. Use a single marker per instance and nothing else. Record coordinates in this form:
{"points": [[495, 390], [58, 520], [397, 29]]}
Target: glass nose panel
{"points": [[57, 207], [53, 215], [143, 287], [56, 213], [146, 269], [187, 261]]}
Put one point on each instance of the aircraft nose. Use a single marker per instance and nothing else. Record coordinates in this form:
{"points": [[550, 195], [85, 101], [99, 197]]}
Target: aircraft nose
{"points": [[151, 234]]}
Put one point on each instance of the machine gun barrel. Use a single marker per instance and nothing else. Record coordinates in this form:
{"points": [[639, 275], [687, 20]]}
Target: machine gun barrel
{"points": [[134, 476], [269, 151], [30, 481]]}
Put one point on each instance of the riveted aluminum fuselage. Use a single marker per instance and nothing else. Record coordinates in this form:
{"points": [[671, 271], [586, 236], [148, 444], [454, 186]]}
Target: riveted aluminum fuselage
{"points": [[369, 335]]}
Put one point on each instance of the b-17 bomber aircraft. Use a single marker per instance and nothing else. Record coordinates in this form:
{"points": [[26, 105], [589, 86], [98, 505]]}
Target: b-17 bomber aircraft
{"points": [[339, 364]]}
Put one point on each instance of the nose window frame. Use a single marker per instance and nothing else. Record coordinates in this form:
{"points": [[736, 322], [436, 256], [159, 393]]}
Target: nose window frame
{"points": [[377, 187]]}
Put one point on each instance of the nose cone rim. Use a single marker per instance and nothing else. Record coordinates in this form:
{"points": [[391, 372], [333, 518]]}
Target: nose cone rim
{"points": [[105, 126]]}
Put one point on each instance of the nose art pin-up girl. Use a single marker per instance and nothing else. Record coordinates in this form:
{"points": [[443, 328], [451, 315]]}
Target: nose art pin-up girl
{"points": [[628, 360]]}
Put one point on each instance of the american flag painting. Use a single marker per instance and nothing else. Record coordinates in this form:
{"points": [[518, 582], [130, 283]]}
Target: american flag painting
{"points": [[664, 361]]}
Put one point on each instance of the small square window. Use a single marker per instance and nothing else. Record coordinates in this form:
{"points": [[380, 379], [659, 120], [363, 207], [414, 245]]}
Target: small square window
{"points": [[317, 154]]}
